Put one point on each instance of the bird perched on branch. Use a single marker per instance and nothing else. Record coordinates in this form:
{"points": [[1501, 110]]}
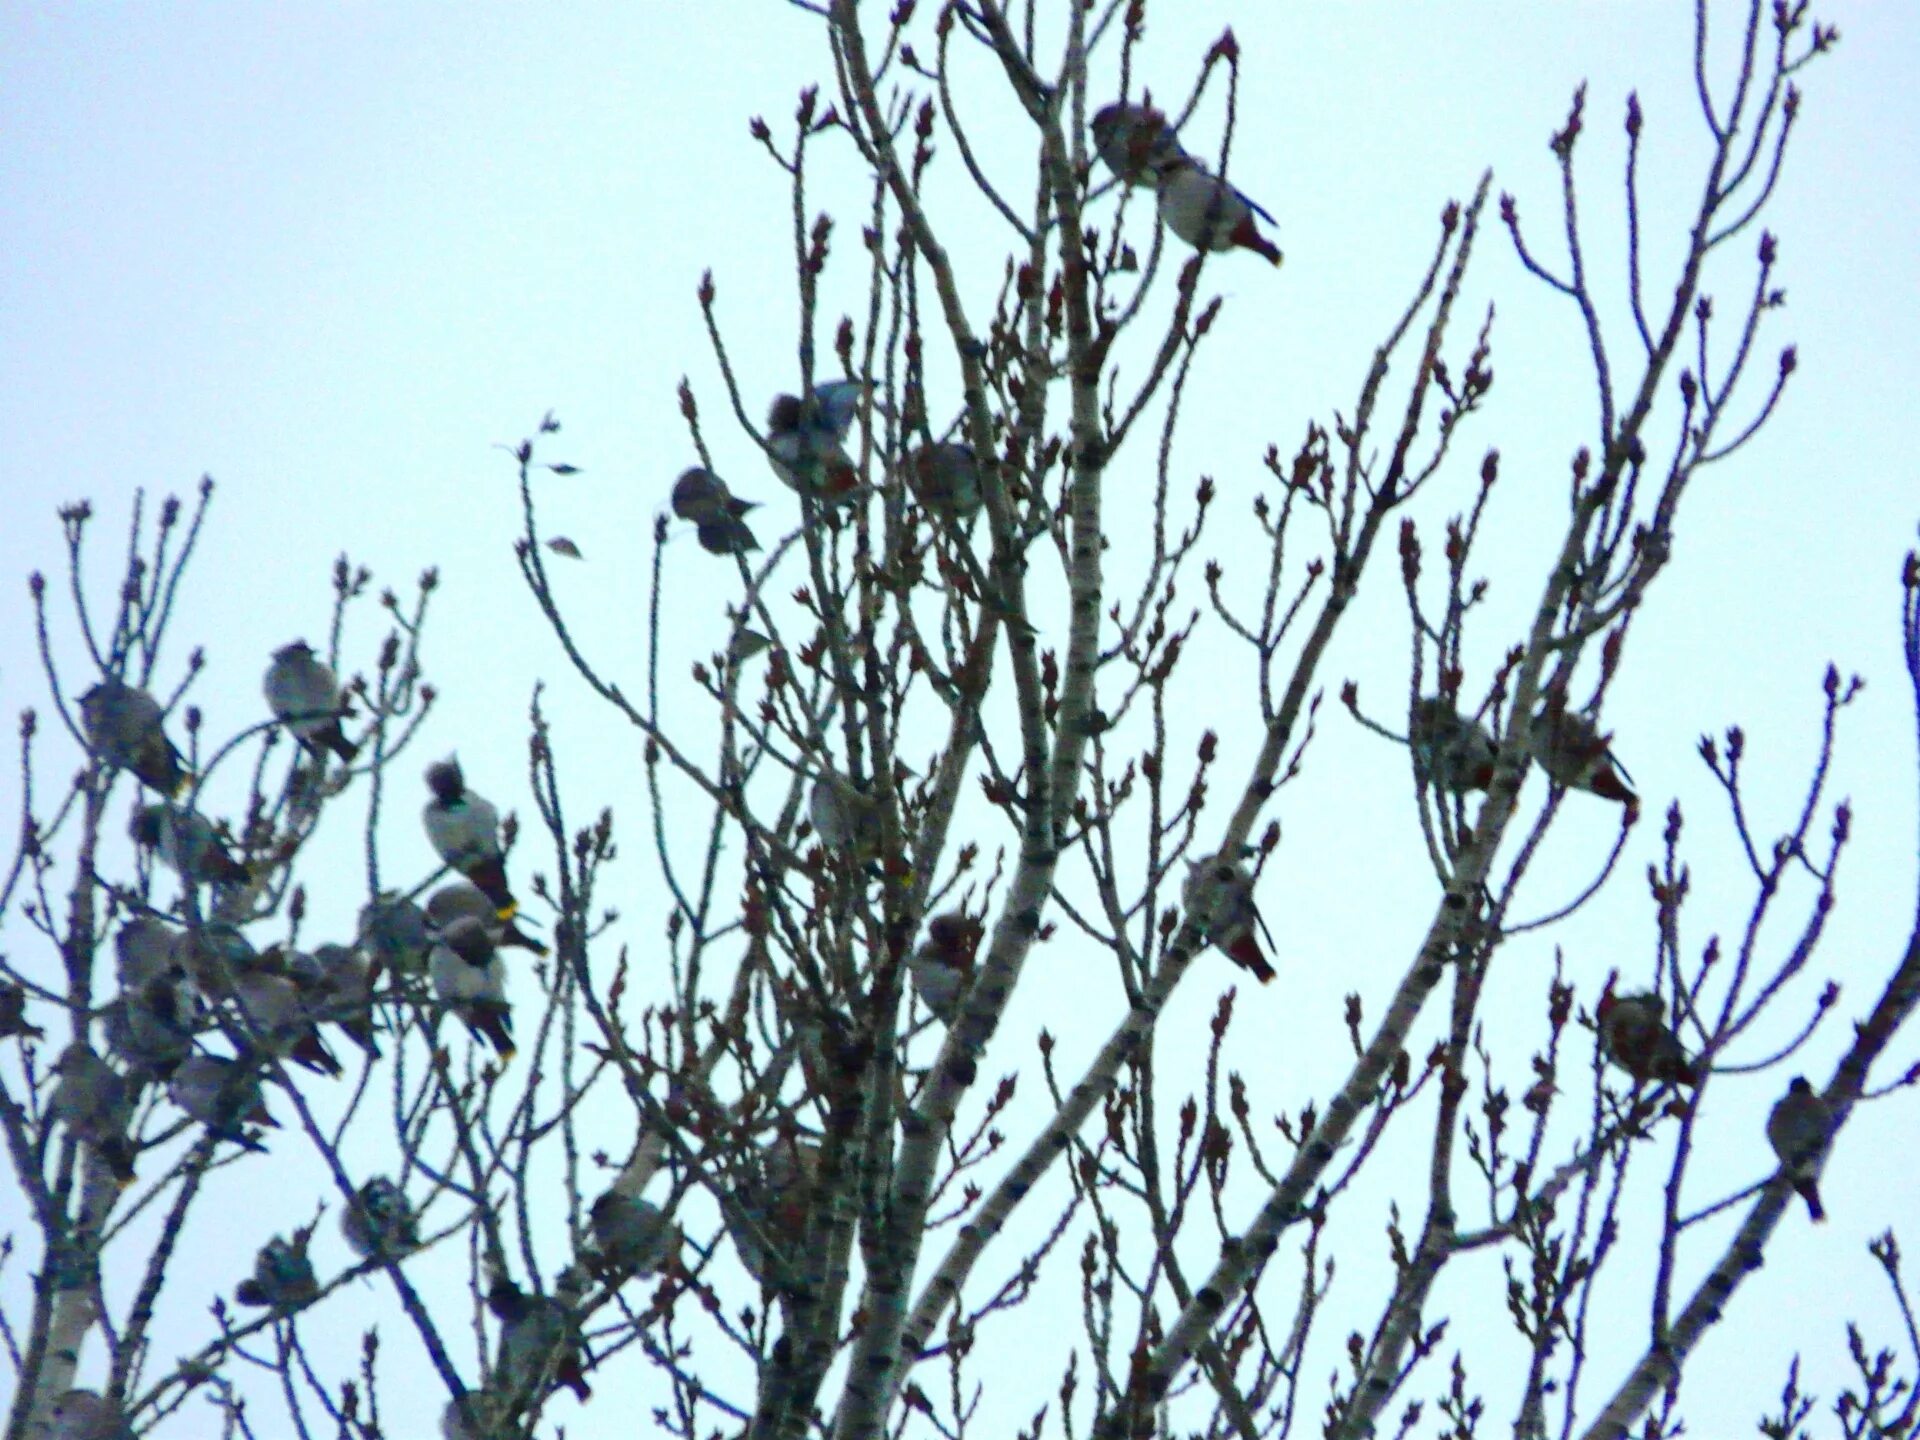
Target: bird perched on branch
{"points": [[305, 697], [1573, 752], [13, 1014], [464, 830], [631, 1236], [845, 817], [942, 967], [124, 729], [1218, 894], [1135, 142], [336, 983], [470, 979], [1634, 1035], [275, 1018], [540, 1341], [224, 1096], [1210, 213], [1798, 1129], [187, 844], [806, 441], [461, 899], [946, 477], [96, 1106], [393, 933], [377, 1223], [702, 497], [1449, 751], [282, 1276]]}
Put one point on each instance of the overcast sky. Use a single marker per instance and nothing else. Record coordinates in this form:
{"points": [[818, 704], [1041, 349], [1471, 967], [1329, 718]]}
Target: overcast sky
{"points": [[334, 255]]}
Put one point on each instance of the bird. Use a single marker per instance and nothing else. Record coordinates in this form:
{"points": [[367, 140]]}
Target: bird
{"points": [[772, 1203], [152, 1028], [1210, 213], [275, 1019], [942, 967], [224, 1096], [845, 817], [305, 697], [471, 981], [1449, 751], [282, 1276], [377, 1223], [806, 441], [144, 949], [946, 477], [1135, 142], [214, 954], [1634, 1035], [465, 832], [393, 932], [540, 1344], [124, 729], [337, 983], [1575, 755], [188, 844], [462, 898], [86, 1415], [96, 1106], [718, 515], [631, 1237], [13, 1014], [1218, 894], [1798, 1129], [475, 1415]]}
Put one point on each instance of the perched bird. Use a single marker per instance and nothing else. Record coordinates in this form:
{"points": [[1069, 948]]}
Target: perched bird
{"points": [[1798, 1129], [845, 817], [13, 1014], [946, 477], [476, 1415], [337, 984], [282, 1276], [540, 1344], [1135, 142], [305, 697], [631, 1236], [461, 899], [1573, 752], [465, 832], [702, 497], [1209, 213], [86, 1415], [214, 954], [1449, 751], [394, 935], [470, 979], [188, 844], [152, 1028], [806, 441], [274, 1018], [1635, 1036], [773, 1202], [942, 968], [144, 949], [224, 1096], [96, 1106], [377, 1223], [1218, 893], [123, 726]]}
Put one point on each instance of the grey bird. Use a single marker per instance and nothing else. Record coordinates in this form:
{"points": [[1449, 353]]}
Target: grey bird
{"points": [[394, 935], [187, 844], [540, 1344], [1449, 751], [273, 1017], [631, 1236], [305, 697], [86, 1415], [144, 949], [1135, 142], [1573, 752], [96, 1105], [1210, 213], [806, 441], [946, 477], [283, 1277], [774, 1201], [470, 979], [214, 954], [1218, 893], [378, 1223], [703, 497], [152, 1029], [338, 986], [224, 1096], [13, 1014], [124, 729], [1798, 1129], [942, 967], [464, 830], [461, 899], [845, 818], [476, 1415]]}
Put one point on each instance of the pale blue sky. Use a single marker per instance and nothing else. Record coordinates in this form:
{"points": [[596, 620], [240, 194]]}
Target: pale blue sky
{"points": [[331, 255]]}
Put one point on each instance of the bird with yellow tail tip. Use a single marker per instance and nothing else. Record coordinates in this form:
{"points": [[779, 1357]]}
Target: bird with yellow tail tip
{"points": [[470, 979], [464, 829], [1210, 213], [123, 727]]}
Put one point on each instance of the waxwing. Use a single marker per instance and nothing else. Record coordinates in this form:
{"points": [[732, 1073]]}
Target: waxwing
{"points": [[702, 497], [187, 844], [1634, 1035], [806, 441], [946, 477], [462, 899], [540, 1345], [1135, 142], [394, 934], [86, 1415], [1573, 752], [223, 1095], [1218, 893], [631, 1236], [378, 1223], [1210, 213], [96, 1106], [283, 1277], [123, 727], [1449, 751], [942, 968], [470, 979], [13, 1014], [1798, 1129], [305, 697], [465, 832]]}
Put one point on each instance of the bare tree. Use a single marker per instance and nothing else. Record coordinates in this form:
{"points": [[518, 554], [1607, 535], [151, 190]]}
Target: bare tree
{"points": [[955, 717]]}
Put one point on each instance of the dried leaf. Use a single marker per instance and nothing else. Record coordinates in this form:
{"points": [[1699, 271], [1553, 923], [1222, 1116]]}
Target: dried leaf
{"points": [[561, 545]]}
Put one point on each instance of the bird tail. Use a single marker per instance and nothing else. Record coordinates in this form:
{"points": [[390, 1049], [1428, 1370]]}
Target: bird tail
{"points": [[514, 935], [1607, 784], [335, 739], [490, 876], [1808, 1191], [1245, 952], [493, 1023], [311, 1051]]}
